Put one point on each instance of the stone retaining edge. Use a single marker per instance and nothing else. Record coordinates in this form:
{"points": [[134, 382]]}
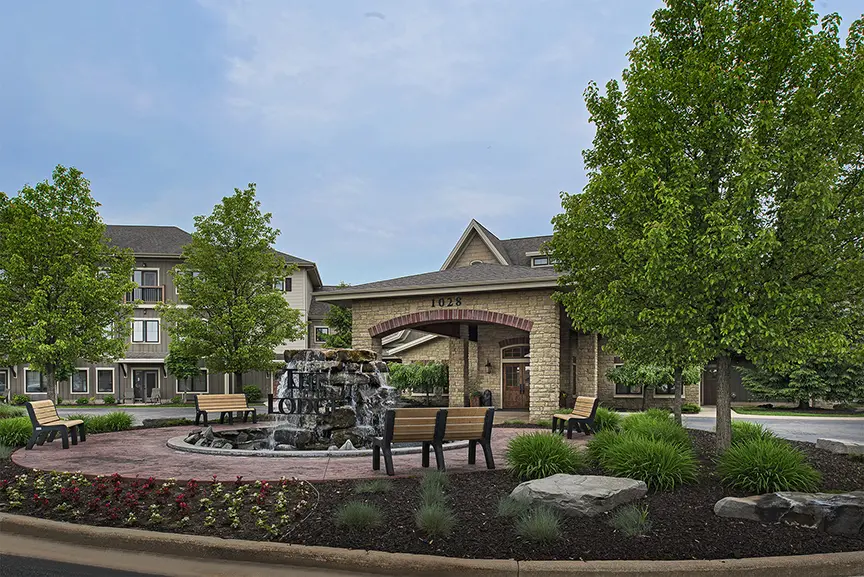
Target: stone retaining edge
{"points": [[848, 564], [179, 444]]}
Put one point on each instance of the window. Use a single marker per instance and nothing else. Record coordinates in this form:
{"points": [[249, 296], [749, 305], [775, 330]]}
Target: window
{"points": [[143, 277], [80, 382], [283, 284], [540, 261], [198, 384], [624, 389], [32, 382], [473, 262], [320, 333], [105, 381], [145, 331], [4, 383], [515, 353]]}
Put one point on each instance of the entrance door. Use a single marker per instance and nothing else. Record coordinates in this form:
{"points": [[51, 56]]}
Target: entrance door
{"points": [[143, 383], [516, 384], [4, 383]]}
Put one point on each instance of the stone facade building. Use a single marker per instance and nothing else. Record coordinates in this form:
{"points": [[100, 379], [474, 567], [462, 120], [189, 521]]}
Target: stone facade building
{"points": [[490, 315]]}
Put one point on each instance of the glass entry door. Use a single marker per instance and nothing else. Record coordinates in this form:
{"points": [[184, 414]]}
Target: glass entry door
{"points": [[143, 383], [517, 382]]}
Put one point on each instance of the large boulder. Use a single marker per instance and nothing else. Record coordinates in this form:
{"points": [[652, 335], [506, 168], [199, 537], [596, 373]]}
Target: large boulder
{"points": [[833, 513], [841, 446], [580, 495], [297, 437], [343, 417]]}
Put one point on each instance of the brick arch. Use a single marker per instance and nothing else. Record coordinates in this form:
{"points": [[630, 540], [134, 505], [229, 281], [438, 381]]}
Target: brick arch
{"points": [[514, 341], [449, 315]]}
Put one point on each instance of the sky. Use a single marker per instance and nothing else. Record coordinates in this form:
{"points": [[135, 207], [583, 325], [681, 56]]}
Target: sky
{"points": [[374, 129]]}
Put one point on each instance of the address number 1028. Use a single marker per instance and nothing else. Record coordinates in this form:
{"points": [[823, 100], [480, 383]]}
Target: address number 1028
{"points": [[444, 302]]}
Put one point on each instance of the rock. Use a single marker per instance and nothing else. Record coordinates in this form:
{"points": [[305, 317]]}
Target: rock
{"points": [[242, 437], [193, 438], [833, 513], [202, 442], [580, 495], [341, 418], [208, 433], [348, 446], [332, 448], [841, 446], [357, 436], [285, 448], [297, 437]]}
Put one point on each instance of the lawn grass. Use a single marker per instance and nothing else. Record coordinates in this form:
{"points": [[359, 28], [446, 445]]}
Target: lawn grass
{"points": [[792, 412]]}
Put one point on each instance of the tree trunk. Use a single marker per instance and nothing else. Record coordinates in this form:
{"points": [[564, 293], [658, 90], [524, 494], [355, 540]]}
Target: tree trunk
{"points": [[724, 402], [238, 382], [50, 380], [676, 404]]}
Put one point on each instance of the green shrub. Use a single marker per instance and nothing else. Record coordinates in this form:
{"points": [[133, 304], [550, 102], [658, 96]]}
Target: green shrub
{"points": [[373, 486], [599, 445], [6, 452], [357, 516], [177, 400], [9, 412], [540, 455], [253, 394], [744, 431], [109, 400], [691, 408], [762, 466], [107, 423], [658, 413], [15, 432], [82, 401], [651, 426], [435, 519], [606, 420], [510, 507], [432, 488], [540, 525], [59, 400], [662, 465], [20, 399], [632, 520]]}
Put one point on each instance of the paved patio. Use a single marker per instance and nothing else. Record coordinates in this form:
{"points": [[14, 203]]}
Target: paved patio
{"points": [[144, 453]]}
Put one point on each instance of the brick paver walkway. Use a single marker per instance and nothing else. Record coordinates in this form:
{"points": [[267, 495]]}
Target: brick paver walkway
{"points": [[144, 453]]}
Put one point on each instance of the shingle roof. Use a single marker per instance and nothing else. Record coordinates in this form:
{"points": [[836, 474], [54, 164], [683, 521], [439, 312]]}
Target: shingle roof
{"points": [[478, 273], [317, 309], [517, 247], [497, 243]]}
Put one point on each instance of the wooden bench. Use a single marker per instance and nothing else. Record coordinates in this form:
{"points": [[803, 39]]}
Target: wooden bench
{"points": [[224, 405], [581, 418], [470, 424], [47, 424], [410, 425]]}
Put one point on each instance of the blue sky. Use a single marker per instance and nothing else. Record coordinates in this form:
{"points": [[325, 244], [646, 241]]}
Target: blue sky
{"points": [[375, 129]]}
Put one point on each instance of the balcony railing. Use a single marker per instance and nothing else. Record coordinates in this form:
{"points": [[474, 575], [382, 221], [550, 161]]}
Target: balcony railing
{"points": [[149, 295]]}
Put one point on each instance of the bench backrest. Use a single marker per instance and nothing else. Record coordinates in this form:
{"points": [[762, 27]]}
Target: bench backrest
{"points": [[220, 402], [407, 425], [468, 423], [585, 407], [42, 413]]}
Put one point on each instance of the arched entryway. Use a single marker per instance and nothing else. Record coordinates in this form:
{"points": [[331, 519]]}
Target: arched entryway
{"points": [[515, 376]]}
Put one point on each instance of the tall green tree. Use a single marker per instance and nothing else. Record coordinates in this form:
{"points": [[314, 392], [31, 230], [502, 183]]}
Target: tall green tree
{"points": [[725, 197], [183, 363], [231, 315], [648, 378], [62, 284], [835, 379], [341, 323]]}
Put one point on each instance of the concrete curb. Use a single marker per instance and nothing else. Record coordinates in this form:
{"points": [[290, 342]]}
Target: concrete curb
{"points": [[375, 562], [179, 444]]}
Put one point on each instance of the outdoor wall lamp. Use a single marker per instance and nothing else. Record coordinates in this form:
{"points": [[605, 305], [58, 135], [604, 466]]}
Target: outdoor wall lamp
{"points": [[488, 367]]}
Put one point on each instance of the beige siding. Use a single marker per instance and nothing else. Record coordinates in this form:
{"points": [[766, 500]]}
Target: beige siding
{"points": [[298, 298], [475, 249]]}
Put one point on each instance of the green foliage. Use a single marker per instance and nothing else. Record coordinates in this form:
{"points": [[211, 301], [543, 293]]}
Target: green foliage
{"points": [[373, 486], [691, 408], [658, 413], [539, 525], [227, 280], [599, 444], [6, 452], [82, 401], [106, 423], [9, 411], [59, 400], [419, 377], [15, 432], [661, 464], [651, 425], [724, 204], [62, 282], [435, 519], [182, 362], [606, 420], [253, 394], [511, 508], [433, 486], [176, 400], [341, 323], [358, 516], [839, 378], [109, 400], [745, 431], [539, 455], [762, 466], [631, 520], [20, 399]]}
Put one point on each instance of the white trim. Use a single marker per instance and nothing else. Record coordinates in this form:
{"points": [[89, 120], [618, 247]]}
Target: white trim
{"points": [[535, 253], [206, 382], [146, 269], [315, 333], [156, 320], [548, 261], [158, 386], [87, 391], [26, 392], [414, 343], [144, 361], [472, 287], [177, 305], [475, 226], [394, 337], [113, 380], [8, 383]]}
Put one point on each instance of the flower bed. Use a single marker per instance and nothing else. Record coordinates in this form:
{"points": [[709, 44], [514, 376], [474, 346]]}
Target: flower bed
{"points": [[682, 523]]}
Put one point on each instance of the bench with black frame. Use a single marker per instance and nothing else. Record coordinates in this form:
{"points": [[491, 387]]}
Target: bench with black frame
{"points": [[224, 405], [581, 418], [425, 426], [47, 424], [470, 424]]}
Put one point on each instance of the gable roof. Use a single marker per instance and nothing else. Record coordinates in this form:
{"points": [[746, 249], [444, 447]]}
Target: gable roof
{"points": [[491, 241], [518, 247]]}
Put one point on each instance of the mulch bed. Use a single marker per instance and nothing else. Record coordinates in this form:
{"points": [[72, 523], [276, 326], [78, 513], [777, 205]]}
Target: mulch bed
{"points": [[684, 524]]}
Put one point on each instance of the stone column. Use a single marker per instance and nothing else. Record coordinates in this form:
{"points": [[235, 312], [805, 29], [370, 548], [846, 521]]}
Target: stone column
{"points": [[545, 343], [459, 367], [586, 365]]}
